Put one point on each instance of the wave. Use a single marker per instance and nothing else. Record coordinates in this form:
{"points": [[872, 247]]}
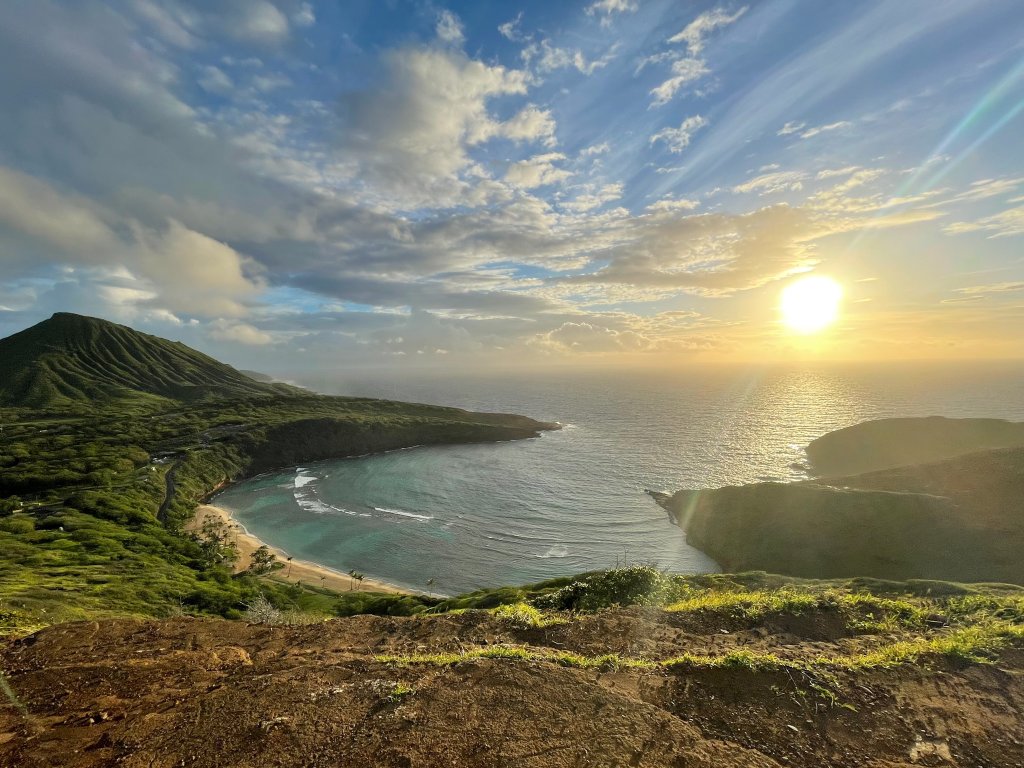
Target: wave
{"points": [[313, 504], [403, 513], [303, 480], [556, 550]]}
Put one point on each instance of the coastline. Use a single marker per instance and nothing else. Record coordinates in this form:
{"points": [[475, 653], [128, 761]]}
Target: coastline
{"points": [[297, 570]]}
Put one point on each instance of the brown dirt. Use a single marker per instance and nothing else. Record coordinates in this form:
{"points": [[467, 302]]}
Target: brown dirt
{"points": [[217, 693]]}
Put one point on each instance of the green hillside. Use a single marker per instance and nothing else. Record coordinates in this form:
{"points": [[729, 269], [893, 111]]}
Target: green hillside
{"points": [[71, 360], [109, 439]]}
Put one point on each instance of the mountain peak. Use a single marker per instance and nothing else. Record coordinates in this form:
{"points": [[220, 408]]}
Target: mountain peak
{"points": [[71, 359]]}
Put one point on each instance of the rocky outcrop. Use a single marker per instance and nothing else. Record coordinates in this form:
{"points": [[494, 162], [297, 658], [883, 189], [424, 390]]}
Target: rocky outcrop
{"points": [[888, 443], [959, 519]]}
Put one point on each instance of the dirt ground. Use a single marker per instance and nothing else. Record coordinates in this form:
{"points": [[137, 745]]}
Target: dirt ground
{"points": [[190, 692]]}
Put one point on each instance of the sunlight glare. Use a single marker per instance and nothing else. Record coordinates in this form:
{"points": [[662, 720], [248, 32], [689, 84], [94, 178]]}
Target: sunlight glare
{"points": [[811, 304]]}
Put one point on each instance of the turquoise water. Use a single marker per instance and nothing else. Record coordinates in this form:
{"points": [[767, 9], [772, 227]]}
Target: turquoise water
{"points": [[486, 515]]}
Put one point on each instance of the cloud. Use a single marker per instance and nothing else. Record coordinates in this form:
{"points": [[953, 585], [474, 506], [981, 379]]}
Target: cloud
{"points": [[830, 173], [241, 333], [606, 8], [678, 139], [588, 338], [673, 204], [449, 28], [697, 31], [304, 16], [410, 134], [182, 269], [510, 30], [214, 80], [986, 188], [791, 127], [549, 58], [531, 123], [595, 149], [1003, 224], [714, 253], [587, 202], [691, 67], [257, 21], [441, 198], [683, 71], [811, 132], [979, 290], [767, 183], [537, 171]]}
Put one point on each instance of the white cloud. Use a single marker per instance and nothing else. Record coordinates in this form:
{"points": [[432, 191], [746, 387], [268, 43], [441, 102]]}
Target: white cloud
{"points": [[780, 181], [793, 126], [605, 9], [811, 132], [683, 71], [678, 139], [304, 16], [587, 202], [241, 333], [689, 68], [829, 173], [668, 204], [696, 32], [258, 21], [531, 123], [1007, 287], [449, 28], [1004, 224], [510, 30], [215, 80], [595, 149], [537, 171], [986, 188], [589, 338], [549, 58], [183, 269], [271, 82], [409, 135]]}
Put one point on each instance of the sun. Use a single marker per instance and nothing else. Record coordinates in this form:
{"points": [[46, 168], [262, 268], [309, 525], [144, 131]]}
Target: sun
{"points": [[811, 304]]}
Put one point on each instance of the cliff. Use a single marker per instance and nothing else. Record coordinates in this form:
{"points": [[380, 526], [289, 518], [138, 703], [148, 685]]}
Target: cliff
{"points": [[958, 518]]}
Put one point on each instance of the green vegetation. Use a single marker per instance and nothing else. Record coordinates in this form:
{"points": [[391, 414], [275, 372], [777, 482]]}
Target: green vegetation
{"points": [[400, 691], [524, 616], [974, 645], [109, 438]]}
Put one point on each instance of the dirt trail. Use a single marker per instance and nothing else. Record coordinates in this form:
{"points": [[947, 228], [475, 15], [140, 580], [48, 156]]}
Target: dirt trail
{"points": [[217, 693]]}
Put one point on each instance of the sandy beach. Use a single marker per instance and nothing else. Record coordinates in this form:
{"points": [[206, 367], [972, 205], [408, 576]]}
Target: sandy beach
{"points": [[295, 571]]}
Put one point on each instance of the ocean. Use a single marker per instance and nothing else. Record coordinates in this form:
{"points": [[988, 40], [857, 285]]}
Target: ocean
{"points": [[465, 517]]}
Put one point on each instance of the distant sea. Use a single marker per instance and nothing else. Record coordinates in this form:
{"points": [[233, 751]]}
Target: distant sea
{"points": [[476, 516]]}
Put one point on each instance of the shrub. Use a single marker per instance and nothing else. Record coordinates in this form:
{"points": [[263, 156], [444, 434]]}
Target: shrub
{"points": [[17, 524], [520, 616], [635, 585], [260, 610]]}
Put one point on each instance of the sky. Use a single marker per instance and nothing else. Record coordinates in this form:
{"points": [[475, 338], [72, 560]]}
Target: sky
{"points": [[294, 185]]}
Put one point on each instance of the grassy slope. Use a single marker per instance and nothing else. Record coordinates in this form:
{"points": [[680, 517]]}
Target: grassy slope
{"points": [[101, 421], [72, 360], [888, 443], [955, 519]]}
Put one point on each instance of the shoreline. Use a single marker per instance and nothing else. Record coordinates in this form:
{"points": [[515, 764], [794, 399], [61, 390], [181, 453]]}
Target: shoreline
{"points": [[304, 571]]}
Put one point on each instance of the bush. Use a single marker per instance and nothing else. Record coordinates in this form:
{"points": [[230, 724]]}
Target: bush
{"points": [[17, 524], [519, 616], [636, 585]]}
